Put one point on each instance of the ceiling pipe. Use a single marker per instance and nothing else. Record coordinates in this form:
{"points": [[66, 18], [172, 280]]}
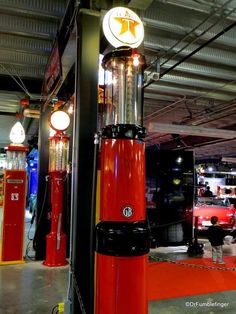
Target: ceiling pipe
{"points": [[31, 113], [164, 109], [195, 51], [193, 30], [190, 130], [229, 27], [203, 32]]}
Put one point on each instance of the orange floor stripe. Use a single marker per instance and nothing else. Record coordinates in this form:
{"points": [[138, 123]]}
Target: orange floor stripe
{"points": [[167, 280]]}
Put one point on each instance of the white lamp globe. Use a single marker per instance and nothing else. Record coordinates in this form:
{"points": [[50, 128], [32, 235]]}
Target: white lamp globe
{"points": [[17, 134], [59, 120]]}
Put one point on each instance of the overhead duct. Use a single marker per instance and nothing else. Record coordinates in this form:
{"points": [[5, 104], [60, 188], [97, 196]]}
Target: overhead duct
{"points": [[229, 159], [190, 130], [31, 113]]}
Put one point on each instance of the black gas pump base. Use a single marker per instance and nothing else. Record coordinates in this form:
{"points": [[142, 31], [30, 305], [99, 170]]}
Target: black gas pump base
{"points": [[195, 248]]}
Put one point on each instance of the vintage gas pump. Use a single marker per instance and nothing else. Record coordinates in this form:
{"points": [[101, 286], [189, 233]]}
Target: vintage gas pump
{"points": [[58, 161], [122, 234], [15, 183]]}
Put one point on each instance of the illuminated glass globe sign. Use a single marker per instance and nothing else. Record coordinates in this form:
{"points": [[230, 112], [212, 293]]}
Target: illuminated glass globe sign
{"points": [[59, 120], [17, 134], [16, 151], [123, 27]]}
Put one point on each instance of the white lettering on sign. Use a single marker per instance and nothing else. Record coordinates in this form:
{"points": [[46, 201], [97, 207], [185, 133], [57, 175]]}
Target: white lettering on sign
{"points": [[14, 196], [15, 181]]}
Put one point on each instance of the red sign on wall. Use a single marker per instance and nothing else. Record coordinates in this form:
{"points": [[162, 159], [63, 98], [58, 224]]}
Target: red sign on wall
{"points": [[53, 73]]}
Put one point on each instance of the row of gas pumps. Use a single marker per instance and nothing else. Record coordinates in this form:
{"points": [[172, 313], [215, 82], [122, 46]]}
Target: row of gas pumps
{"points": [[20, 191]]}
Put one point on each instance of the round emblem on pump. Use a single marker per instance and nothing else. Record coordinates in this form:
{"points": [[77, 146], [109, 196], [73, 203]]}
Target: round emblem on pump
{"points": [[123, 27], [127, 212]]}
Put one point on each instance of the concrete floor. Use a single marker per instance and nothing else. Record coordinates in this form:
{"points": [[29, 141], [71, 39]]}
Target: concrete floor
{"points": [[32, 288], [222, 302]]}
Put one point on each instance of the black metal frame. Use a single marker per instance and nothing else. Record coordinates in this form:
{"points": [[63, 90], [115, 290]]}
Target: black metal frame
{"points": [[85, 126], [42, 223]]}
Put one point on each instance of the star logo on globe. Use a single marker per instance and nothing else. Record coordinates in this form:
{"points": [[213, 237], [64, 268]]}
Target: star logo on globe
{"points": [[128, 24]]}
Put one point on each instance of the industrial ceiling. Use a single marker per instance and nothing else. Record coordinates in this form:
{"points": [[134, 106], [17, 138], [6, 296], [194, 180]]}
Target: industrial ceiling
{"points": [[190, 80]]}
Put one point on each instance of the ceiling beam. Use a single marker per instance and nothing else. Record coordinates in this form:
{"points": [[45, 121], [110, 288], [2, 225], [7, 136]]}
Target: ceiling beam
{"points": [[229, 159], [190, 130], [3, 113]]}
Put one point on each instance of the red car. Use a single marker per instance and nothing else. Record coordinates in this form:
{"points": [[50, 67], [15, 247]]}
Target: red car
{"points": [[206, 207]]}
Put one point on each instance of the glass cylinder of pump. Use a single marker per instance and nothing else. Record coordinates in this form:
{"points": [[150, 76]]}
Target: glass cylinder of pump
{"points": [[16, 157], [58, 153], [123, 80]]}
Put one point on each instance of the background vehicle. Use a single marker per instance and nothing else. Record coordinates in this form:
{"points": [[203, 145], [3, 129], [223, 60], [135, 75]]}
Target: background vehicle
{"points": [[206, 207]]}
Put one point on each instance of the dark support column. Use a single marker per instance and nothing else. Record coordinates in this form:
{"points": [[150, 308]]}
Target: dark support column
{"points": [[42, 223], [85, 125]]}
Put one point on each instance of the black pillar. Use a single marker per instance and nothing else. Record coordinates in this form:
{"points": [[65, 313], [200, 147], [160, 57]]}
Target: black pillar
{"points": [[85, 126], [42, 222]]}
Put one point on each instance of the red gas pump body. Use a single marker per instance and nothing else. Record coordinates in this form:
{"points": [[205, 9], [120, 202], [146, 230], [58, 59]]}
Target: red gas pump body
{"points": [[13, 215], [122, 235], [121, 288], [56, 239], [122, 180]]}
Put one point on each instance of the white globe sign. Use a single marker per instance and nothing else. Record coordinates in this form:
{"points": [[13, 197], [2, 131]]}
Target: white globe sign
{"points": [[59, 120], [123, 27], [17, 134]]}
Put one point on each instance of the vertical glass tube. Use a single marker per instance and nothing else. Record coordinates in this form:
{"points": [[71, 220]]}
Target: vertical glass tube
{"points": [[15, 160], [123, 87], [59, 150], [52, 154], [58, 153]]}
